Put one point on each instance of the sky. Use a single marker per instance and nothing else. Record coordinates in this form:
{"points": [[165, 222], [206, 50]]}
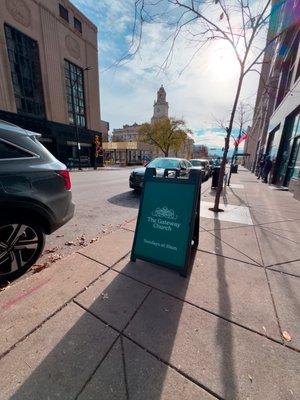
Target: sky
{"points": [[201, 93]]}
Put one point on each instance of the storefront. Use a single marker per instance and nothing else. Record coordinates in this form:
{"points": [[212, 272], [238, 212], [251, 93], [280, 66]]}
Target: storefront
{"points": [[284, 151], [126, 153], [60, 139], [274, 143]]}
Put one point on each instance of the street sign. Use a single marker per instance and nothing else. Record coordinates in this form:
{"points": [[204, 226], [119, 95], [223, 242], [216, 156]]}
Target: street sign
{"points": [[168, 220]]}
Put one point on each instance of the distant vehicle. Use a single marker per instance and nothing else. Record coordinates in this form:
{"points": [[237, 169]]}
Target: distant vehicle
{"points": [[35, 198], [137, 175], [203, 166]]}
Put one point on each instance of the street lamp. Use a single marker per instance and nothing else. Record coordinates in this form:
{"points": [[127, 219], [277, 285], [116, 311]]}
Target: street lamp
{"points": [[73, 83]]}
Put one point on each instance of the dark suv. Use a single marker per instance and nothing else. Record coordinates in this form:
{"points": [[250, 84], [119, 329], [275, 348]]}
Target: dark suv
{"points": [[35, 198]]}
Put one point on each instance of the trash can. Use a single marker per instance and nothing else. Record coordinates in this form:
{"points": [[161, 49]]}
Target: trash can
{"points": [[234, 168], [215, 177]]}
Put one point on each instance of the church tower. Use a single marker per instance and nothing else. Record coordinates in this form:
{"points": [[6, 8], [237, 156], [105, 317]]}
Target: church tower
{"points": [[160, 106]]}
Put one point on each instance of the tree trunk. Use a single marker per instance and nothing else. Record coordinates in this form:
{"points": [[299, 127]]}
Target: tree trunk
{"points": [[232, 159], [227, 142], [236, 146]]}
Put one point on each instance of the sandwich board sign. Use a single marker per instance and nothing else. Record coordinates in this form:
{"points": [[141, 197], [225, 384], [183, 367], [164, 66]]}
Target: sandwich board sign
{"points": [[168, 220]]}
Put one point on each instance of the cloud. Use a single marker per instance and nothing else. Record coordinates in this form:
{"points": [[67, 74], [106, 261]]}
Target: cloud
{"points": [[201, 94]]}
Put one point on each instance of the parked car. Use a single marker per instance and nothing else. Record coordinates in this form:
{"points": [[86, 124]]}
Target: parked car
{"points": [[161, 164], [203, 166], [35, 198]]}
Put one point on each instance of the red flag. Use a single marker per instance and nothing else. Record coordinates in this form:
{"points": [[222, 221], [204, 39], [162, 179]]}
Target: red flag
{"points": [[243, 137]]}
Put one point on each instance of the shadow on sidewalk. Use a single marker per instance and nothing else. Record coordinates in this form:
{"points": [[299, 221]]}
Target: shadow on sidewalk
{"points": [[224, 339], [242, 202], [129, 199], [91, 362]]}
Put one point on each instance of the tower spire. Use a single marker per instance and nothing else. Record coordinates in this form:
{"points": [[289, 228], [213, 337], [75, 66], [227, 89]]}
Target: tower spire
{"points": [[161, 106]]}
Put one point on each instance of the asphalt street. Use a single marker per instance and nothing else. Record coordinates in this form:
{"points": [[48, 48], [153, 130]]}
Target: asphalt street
{"points": [[103, 201]]}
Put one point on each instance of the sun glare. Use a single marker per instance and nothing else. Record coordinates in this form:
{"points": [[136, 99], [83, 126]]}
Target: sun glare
{"points": [[222, 63]]}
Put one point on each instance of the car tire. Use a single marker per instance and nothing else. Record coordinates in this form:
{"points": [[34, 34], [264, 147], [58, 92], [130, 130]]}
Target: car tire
{"points": [[21, 244]]}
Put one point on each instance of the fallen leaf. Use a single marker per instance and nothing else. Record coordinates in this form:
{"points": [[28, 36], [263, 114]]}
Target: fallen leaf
{"points": [[55, 257], [264, 329], [286, 336], [70, 243], [60, 235], [39, 267], [250, 377], [93, 240], [52, 250], [104, 296]]}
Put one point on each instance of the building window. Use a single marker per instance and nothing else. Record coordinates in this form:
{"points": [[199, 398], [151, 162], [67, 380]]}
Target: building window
{"points": [[273, 143], [75, 94], [77, 25], [23, 54], [64, 13], [298, 72], [287, 71]]}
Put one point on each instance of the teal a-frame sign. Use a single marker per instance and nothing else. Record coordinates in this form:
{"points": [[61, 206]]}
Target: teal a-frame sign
{"points": [[168, 220]]}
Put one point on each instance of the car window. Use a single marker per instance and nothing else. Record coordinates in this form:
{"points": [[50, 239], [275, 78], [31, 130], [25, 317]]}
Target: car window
{"points": [[196, 163], [9, 151], [188, 164], [163, 163]]}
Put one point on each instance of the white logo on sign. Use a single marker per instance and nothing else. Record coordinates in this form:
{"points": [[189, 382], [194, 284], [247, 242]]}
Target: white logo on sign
{"points": [[164, 212]]}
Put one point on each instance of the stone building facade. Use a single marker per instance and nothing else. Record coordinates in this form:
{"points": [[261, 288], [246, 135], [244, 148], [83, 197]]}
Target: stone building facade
{"points": [[49, 81], [129, 133]]}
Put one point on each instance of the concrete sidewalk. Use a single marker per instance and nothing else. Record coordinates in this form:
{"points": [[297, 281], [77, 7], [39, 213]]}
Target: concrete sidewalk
{"points": [[96, 326]]}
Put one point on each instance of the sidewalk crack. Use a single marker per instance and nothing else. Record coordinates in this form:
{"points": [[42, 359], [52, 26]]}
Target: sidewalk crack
{"points": [[124, 367], [244, 254], [120, 333], [269, 286]]}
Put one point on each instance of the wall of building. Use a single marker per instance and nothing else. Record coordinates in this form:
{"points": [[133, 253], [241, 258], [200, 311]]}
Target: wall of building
{"points": [[127, 133], [57, 40]]}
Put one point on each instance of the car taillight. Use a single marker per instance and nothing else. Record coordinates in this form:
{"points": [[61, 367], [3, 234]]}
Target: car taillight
{"points": [[66, 175]]}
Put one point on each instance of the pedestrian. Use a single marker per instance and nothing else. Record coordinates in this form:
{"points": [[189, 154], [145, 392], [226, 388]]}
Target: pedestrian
{"points": [[266, 169], [261, 164], [218, 162]]}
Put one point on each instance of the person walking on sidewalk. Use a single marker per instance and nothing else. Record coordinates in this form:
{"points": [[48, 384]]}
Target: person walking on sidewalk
{"points": [[267, 168], [261, 164]]}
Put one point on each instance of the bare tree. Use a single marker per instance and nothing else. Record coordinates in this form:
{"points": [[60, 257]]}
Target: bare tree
{"points": [[240, 23], [243, 118]]}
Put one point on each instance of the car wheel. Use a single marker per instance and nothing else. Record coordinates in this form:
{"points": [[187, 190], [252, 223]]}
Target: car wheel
{"points": [[21, 244]]}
